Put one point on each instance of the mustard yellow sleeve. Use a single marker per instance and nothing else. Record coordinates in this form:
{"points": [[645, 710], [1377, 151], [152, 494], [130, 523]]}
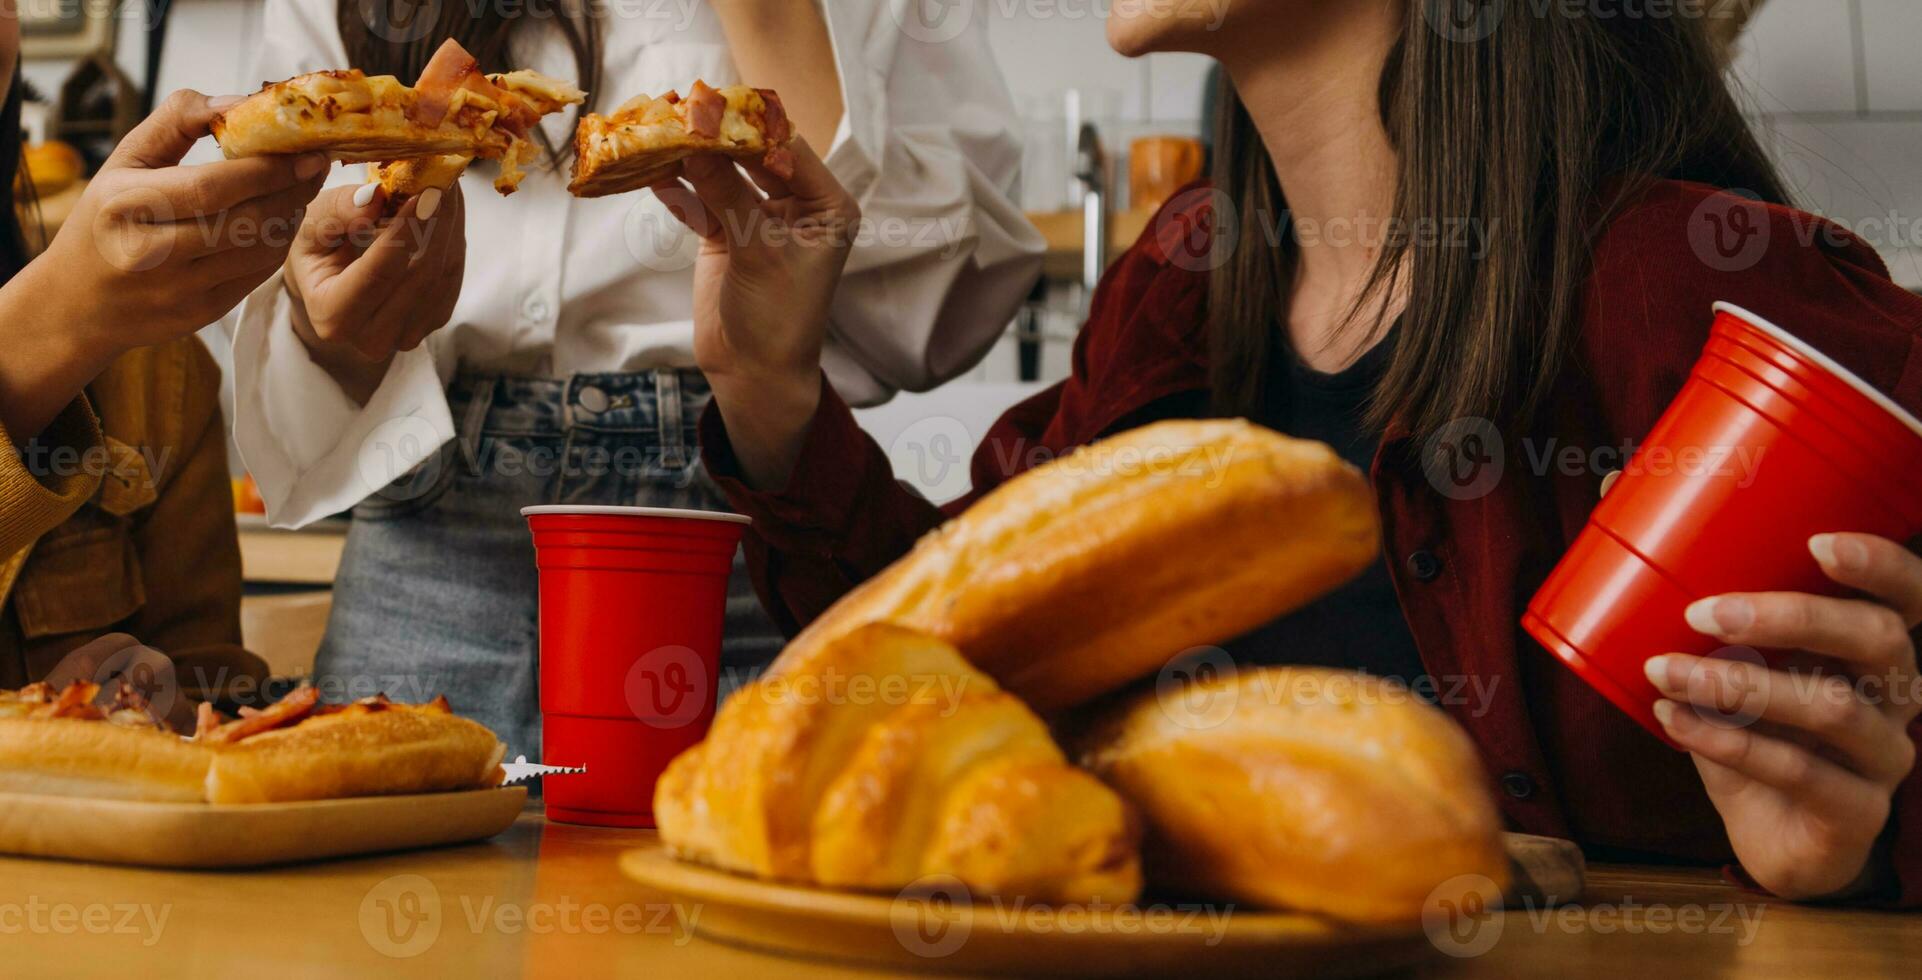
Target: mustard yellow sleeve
{"points": [[190, 551], [42, 485]]}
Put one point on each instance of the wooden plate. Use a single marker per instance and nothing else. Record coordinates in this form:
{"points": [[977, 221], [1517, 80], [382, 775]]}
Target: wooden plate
{"points": [[950, 932], [196, 835]]}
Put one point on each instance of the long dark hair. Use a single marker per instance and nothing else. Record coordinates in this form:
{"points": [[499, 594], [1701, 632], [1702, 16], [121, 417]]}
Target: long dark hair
{"points": [[396, 37], [13, 240], [1512, 135]]}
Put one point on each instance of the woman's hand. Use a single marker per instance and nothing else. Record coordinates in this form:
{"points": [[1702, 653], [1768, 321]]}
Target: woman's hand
{"points": [[364, 290], [1802, 762], [152, 252], [770, 260]]}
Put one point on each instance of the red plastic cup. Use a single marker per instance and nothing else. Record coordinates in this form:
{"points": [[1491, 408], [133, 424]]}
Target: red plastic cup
{"points": [[1769, 443], [632, 604]]}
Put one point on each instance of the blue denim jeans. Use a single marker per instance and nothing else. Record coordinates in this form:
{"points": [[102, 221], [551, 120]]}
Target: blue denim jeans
{"points": [[437, 591]]}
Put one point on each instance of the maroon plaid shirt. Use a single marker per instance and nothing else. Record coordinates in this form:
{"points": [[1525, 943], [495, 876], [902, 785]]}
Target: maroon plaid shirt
{"points": [[1466, 550]]}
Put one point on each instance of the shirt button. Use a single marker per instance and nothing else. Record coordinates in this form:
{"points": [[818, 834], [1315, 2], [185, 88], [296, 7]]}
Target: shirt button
{"points": [[1518, 784], [1424, 565], [593, 399], [536, 308]]}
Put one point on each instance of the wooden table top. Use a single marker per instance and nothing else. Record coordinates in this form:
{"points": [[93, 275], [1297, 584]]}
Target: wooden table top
{"points": [[545, 900]]}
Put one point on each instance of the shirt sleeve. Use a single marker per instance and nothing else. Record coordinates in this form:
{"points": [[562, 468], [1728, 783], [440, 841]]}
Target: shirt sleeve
{"points": [[929, 145], [312, 449], [36, 497]]}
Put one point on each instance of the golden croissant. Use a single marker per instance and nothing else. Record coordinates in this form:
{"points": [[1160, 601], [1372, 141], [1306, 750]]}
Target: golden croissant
{"points": [[883, 758]]}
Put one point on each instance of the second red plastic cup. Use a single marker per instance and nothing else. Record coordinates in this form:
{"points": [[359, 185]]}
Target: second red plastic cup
{"points": [[1769, 443], [632, 602]]}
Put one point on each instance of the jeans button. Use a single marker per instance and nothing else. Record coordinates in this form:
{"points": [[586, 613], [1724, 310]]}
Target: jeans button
{"points": [[593, 399], [1424, 565], [1518, 784]]}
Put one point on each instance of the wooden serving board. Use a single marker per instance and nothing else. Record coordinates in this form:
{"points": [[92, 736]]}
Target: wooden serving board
{"points": [[196, 835], [955, 933]]}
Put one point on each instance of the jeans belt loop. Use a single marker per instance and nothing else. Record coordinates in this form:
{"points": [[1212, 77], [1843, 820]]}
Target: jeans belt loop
{"points": [[668, 415], [474, 422]]}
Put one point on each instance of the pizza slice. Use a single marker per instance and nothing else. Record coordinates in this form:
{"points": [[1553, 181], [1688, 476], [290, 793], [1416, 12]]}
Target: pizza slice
{"points": [[67, 743], [359, 118], [646, 138]]}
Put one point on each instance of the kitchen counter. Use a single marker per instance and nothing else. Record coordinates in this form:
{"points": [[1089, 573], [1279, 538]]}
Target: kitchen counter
{"points": [[545, 900]]}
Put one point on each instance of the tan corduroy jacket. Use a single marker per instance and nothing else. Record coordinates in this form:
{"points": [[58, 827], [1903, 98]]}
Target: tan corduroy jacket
{"points": [[120, 518]]}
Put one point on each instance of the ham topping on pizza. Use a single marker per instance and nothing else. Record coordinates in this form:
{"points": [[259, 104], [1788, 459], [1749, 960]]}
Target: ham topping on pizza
{"points": [[80, 700], [706, 106], [287, 711]]}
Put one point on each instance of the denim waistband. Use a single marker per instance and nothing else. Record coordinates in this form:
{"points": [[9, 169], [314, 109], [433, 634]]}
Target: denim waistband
{"points": [[656, 408]]}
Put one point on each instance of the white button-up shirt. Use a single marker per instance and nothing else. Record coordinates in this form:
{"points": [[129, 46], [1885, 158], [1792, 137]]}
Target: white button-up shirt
{"points": [[556, 286]]}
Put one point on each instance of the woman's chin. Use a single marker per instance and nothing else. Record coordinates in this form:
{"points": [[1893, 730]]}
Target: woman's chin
{"points": [[1133, 35]]}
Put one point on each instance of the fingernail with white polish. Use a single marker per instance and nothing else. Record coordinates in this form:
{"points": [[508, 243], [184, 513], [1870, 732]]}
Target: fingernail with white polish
{"points": [[1822, 546], [1656, 670], [429, 203], [1665, 712], [364, 194], [1720, 616]]}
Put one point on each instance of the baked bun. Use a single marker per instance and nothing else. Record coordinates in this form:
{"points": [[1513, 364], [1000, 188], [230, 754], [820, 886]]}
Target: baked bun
{"points": [[100, 759], [646, 139], [883, 758], [361, 750], [1090, 571], [72, 743], [1320, 790]]}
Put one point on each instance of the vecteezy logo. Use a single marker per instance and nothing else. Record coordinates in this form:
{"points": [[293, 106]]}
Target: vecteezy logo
{"points": [[1197, 689], [400, 916], [933, 916], [1196, 229], [932, 21], [117, 659], [657, 239], [1729, 231], [134, 229], [1729, 688], [1463, 460], [933, 453], [668, 687], [1465, 21], [397, 22], [407, 446], [1461, 916]]}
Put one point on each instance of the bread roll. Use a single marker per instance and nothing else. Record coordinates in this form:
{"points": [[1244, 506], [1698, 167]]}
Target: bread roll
{"points": [[402, 749], [882, 758], [1305, 788], [1093, 570], [75, 757]]}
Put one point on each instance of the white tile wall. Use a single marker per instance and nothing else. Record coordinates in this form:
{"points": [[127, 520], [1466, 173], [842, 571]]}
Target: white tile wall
{"points": [[1837, 88], [1891, 31]]}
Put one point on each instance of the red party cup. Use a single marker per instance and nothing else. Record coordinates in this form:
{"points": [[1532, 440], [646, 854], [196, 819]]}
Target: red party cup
{"points": [[1769, 443], [632, 604]]}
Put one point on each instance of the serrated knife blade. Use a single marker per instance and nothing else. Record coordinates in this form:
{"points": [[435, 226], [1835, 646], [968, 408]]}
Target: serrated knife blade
{"points": [[521, 769]]}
